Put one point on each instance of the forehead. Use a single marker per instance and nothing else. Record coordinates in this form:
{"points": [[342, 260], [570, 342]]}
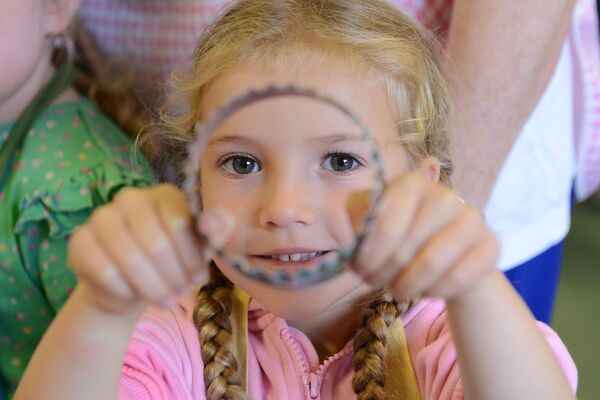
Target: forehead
{"points": [[358, 89]]}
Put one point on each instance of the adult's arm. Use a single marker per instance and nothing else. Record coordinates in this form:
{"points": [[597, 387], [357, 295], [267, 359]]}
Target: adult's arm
{"points": [[502, 56]]}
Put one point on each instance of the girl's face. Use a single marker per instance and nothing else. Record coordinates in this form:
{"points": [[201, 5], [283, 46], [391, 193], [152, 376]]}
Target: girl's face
{"points": [[25, 49], [284, 169]]}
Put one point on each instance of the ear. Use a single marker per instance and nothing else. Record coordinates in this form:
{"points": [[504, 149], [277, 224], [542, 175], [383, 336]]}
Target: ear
{"points": [[59, 14], [430, 168]]}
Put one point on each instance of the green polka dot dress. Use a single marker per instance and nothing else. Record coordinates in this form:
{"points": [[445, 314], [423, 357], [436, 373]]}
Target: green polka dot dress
{"points": [[74, 160]]}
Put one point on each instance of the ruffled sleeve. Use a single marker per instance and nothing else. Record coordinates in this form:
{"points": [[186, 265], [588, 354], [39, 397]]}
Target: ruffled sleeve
{"points": [[67, 205], [48, 215]]}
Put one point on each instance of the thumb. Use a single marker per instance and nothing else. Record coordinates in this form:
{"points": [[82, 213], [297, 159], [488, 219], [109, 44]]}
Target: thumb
{"points": [[217, 224], [358, 205]]}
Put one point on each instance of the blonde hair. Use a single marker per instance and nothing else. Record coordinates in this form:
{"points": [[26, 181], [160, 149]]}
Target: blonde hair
{"points": [[378, 37]]}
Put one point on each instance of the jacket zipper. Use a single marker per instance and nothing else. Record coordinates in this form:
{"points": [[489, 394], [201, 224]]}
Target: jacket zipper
{"points": [[311, 380]]}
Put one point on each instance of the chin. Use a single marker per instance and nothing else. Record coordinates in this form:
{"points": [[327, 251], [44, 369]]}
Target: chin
{"points": [[296, 304]]}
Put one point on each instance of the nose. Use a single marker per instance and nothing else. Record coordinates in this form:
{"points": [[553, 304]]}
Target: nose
{"points": [[287, 203]]}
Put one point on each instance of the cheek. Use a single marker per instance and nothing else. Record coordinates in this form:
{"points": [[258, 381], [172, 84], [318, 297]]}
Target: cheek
{"points": [[24, 44], [213, 192], [337, 220], [238, 205], [217, 190]]}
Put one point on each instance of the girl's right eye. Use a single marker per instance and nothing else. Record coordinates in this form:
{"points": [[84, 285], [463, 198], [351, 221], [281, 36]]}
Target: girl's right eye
{"points": [[240, 165]]}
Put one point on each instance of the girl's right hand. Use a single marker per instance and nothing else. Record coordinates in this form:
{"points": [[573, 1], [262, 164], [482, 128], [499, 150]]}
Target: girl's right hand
{"points": [[143, 248]]}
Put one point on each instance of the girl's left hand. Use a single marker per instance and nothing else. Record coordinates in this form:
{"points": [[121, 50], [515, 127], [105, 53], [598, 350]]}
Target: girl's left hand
{"points": [[425, 241]]}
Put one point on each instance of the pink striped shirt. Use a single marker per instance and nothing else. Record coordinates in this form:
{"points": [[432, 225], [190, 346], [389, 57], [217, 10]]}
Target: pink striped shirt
{"points": [[163, 361]]}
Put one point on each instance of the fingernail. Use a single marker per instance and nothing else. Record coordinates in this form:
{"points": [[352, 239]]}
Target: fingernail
{"points": [[216, 223]]}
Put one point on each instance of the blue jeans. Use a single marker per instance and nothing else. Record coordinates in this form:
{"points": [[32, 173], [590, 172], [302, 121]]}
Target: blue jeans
{"points": [[536, 280]]}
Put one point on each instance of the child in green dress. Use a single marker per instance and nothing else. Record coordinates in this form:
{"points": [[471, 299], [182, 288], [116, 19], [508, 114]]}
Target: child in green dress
{"points": [[60, 157]]}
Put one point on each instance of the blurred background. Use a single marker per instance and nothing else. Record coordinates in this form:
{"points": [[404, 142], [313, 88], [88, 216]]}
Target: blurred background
{"points": [[577, 315]]}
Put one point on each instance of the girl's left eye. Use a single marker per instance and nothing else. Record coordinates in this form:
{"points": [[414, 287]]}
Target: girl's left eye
{"points": [[340, 162], [240, 165]]}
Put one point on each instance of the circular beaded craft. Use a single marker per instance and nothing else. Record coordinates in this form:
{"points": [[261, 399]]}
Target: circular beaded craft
{"points": [[302, 277]]}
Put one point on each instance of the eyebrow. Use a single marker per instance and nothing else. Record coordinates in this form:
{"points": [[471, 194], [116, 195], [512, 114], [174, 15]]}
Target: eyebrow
{"points": [[235, 139], [328, 139], [338, 137]]}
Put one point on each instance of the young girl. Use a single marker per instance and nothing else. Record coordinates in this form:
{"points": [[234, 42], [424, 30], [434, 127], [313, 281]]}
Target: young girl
{"points": [[277, 191], [60, 157]]}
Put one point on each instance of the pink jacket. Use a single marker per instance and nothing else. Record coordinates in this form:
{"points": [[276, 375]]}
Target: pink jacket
{"points": [[163, 361]]}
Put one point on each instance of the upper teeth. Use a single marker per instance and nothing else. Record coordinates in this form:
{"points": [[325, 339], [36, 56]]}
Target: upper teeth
{"points": [[296, 256]]}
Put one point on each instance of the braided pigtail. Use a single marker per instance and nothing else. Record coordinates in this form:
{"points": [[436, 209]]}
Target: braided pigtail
{"points": [[370, 346], [211, 317]]}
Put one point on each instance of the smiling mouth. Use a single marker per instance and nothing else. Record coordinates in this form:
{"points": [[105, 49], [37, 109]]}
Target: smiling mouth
{"points": [[295, 259]]}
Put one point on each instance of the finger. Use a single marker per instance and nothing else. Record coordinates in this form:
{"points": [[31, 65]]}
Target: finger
{"points": [[217, 224], [93, 266], [470, 269], [439, 207], [382, 277], [110, 231], [393, 220], [176, 219], [143, 221], [438, 254], [358, 205]]}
